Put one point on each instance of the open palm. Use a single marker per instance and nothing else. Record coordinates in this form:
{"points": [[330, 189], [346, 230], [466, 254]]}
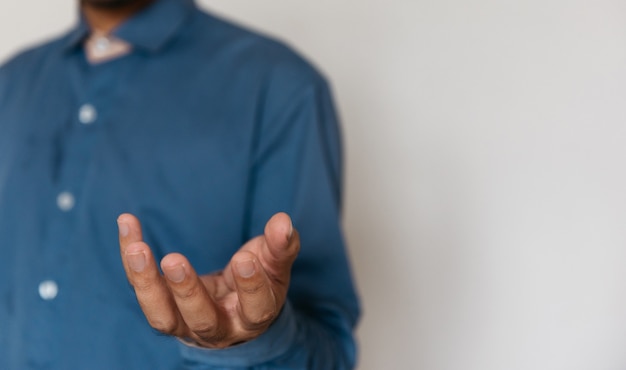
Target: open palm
{"points": [[217, 310]]}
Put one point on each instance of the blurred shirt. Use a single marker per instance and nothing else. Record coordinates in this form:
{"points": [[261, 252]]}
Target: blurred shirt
{"points": [[203, 130]]}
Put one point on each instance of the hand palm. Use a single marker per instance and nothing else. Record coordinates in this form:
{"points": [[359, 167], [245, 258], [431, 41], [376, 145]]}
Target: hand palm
{"points": [[215, 310]]}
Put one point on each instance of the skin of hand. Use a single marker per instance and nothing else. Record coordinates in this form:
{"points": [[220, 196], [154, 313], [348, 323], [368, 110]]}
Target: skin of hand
{"points": [[220, 309]]}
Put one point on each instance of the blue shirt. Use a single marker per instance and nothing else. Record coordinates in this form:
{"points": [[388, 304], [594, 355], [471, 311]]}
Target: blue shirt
{"points": [[203, 131]]}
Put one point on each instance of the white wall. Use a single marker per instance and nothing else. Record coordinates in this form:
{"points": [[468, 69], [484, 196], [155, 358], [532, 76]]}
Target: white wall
{"points": [[486, 171]]}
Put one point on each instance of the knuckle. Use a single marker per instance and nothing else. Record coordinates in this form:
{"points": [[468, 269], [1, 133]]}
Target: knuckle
{"points": [[163, 325], [262, 319], [142, 285], [209, 333], [187, 292], [252, 288], [205, 329]]}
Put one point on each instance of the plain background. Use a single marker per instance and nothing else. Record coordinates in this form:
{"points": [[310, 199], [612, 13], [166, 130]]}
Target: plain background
{"points": [[485, 191]]}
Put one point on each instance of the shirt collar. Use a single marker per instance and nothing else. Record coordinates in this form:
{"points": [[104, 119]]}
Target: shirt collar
{"points": [[150, 29], [77, 34]]}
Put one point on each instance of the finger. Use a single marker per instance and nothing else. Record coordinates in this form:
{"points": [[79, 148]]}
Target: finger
{"points": [[280, 248], [151, 290], [129, 230], [255, 246], [257, 303], [194, 303]]}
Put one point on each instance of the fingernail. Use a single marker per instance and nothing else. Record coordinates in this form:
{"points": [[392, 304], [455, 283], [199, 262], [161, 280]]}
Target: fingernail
{"points": [[290, 229], [176, 274], [136, 261], [246, 268], [123, 228]]}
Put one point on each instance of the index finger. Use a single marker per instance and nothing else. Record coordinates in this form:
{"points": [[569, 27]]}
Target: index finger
{"points": [[143, 274], [129, 230]]}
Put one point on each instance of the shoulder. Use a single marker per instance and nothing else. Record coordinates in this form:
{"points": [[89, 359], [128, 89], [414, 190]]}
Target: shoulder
{"points": [[35, 53], [282, 63], [27, 63]]}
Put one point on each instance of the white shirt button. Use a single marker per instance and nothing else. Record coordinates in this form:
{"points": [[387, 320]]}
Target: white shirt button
{"points": [[87, 114], [65, 201], [48, 290], [102, 44]]}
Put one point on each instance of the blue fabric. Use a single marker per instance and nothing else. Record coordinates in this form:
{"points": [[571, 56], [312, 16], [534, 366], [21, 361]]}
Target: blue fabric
{"points": [[204, 131]]}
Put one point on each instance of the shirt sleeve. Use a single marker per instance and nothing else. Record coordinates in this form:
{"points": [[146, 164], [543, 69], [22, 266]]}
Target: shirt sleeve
{"points": [[296, 168]]}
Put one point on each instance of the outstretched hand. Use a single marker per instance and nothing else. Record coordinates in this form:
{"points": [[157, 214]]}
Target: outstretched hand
{"points": [[217, 310]]}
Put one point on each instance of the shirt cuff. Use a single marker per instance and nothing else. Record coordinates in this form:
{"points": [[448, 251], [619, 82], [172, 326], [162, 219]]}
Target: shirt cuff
{"points": [[273, 343]]}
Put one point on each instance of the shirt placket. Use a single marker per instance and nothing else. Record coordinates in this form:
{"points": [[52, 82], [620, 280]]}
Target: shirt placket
{"points": [[93, 90]]}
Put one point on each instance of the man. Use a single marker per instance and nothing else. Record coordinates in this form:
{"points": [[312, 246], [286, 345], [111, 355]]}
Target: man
{"points": [[204, 131]]}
